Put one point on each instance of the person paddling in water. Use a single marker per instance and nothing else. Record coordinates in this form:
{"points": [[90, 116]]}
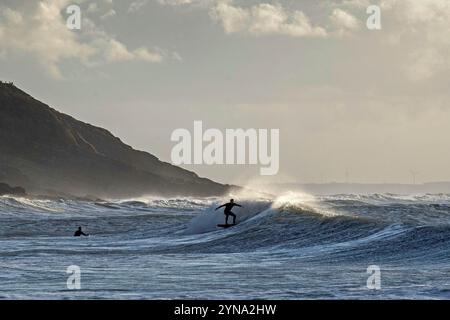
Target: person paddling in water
{"points": [[80, 233], [228, 206]]}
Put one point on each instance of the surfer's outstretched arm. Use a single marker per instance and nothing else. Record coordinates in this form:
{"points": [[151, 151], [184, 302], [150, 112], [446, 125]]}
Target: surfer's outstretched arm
{"points": [[220, 207], [238, 205]]}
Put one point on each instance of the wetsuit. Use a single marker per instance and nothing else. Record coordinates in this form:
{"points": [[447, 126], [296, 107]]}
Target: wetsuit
{"points": [[79, 233], [228, 206]]}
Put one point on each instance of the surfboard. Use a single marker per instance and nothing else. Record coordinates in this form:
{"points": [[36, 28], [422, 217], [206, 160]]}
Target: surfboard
{"points": [[225, 225]]}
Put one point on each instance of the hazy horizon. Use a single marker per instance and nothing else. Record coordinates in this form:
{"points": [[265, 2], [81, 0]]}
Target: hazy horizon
{"points": [[352, 104]]}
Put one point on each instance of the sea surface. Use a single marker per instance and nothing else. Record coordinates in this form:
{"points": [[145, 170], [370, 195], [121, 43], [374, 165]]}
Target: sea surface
{"points": [[293, 246]]}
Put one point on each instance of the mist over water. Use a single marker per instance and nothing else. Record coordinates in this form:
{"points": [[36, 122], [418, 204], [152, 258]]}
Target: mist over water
{"points": [[291, 247]]}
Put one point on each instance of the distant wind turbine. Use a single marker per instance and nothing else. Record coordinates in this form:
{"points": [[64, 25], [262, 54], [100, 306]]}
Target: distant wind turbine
{"points": [[414, 175]]}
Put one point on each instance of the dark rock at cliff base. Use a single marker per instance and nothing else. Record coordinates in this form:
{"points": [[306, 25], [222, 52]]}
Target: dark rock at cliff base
{"points": [[6, 189], [44, 149]]}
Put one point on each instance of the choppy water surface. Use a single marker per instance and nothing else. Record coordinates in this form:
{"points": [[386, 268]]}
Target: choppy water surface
{"points": [[293, 247]]}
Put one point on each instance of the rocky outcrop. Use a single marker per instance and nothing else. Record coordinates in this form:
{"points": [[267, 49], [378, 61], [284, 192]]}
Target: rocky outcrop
{"points": [[48, 151], [6, 189]]}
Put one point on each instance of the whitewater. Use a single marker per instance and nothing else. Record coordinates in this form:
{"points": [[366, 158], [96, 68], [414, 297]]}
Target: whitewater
{"points": [[293, 246]]}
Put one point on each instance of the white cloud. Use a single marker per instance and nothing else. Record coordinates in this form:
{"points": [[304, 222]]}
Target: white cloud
{"points": [[135, 6], [418, 30], [264, 19], [110, 13], [175, 2], [233, 19], [421, 29], [147, 55], [93, 7], [39, 31], [344, 22], [356, 3], [197, 3], [114, 50]]}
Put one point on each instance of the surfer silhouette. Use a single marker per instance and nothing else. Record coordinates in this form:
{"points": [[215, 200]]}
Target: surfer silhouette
{"points": [[228, 206], [80, 233]]}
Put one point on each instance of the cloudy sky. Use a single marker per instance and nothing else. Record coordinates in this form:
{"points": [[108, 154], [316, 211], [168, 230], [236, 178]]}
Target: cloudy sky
{"points": [[374, 103]]}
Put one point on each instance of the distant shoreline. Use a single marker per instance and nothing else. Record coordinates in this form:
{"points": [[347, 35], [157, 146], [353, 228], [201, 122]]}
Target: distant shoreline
{"points": [[363, 188]]}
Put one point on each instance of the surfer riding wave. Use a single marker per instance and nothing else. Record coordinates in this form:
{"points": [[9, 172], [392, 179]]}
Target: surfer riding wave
{"points": [[228, 206]]}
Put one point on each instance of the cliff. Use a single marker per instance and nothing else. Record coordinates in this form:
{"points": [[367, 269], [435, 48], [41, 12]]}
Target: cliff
{"points": [[47, 151]]}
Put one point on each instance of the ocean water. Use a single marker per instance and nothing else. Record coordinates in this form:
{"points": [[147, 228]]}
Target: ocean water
{"points": [[290, 247]]}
